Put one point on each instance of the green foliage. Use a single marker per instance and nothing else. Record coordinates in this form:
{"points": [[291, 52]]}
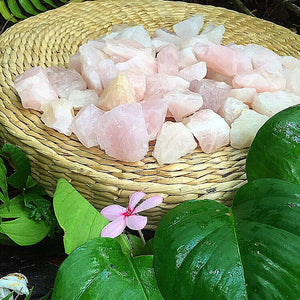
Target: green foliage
{"points": [[28, 217], [275, 151], [100, 270]]}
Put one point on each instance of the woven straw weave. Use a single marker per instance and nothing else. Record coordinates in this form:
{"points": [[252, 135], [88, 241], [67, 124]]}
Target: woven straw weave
{"points": [[50, 38]]}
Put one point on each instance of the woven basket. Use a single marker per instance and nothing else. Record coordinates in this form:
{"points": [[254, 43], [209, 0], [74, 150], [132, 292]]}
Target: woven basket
{"points": [[50, 38]]}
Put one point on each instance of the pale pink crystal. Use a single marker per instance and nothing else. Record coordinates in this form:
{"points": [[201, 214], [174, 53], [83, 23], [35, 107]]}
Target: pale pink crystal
{"points": [[222, 59], [186, 57], [173, 141], [231, 109], [160, 84], [155, 111], [34, 88], [58, 114], [118, 91], [290, 62], [122, 132], [214, 33], [292, 81], [107, 71], [75, 62], [245, 127], [196, 71], [189, 27], [167, 60], [183, 103], [85, 123], [213, 75], [138, 81], [78, 99], [245, 95], [270, 103], [214, 93], [64, 81], [163, 37], [260, 80], [210, 129]]}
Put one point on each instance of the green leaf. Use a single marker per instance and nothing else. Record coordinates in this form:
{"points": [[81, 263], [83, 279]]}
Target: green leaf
{"points": [[3, 184], [100, 270], [15, 9], [29, 295], [21, 164], [76, 216], [249, 252], [8, 296], [20, 228], [5, 12], [38, 5], [275, 151], [27, 6]]}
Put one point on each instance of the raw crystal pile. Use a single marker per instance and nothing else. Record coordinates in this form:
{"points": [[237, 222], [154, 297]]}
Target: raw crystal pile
{"points": [[181, 89]]}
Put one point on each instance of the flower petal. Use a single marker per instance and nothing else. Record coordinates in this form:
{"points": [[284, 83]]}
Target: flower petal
{"points": [[149, 203], [136, 222], [134, 199], [112, 212], [114, 228]]}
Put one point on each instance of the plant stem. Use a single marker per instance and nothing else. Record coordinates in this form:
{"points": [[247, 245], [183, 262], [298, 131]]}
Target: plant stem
{"points": [[244, 8], [142, 237]]}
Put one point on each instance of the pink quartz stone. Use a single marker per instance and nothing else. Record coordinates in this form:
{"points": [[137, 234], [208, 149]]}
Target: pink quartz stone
{"points": [[64, 81], [222, 59], [160, 84], [122, 132], [292, 80], [138, 81], [155, 111], [245, 95], [290, 62], [189, 27], [214, 33], [183, 103], [163, 37], [245, 127], [196, 71], [75, 63], [107, 71], [78, 99], [58, 114], [85, 123], [260, 80], [34, 88], [211, 130], [270, 103], [167, 60], [173, 141], [231, 109], [186, 57], [213, 75], [118, 91], [214, 93]]}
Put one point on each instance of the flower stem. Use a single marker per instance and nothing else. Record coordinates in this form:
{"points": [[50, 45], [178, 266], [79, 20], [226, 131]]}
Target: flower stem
{"points": [[142, 237]]}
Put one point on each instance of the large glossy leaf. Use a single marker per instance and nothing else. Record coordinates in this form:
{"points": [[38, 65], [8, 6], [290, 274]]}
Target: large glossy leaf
{"points": [[18, 226], [100, 270], [204, 250], [275, 151]]}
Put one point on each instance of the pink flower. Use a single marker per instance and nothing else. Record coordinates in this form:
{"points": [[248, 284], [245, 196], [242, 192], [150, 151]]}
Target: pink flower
{"points": [[122, 217]]}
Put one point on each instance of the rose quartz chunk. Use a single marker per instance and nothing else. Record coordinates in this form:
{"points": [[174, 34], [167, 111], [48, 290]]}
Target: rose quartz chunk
{"points": [[245, 95], [245, 127], [138, 81], [214, 33], [214, 93], [173, 141], [211, 130], [75, 63], [90, 59], [167, 60], [196, 71], [58, 114], [290, 62], [64, 81], [270, 104], [85, 123], [34, 88], [160, 84], [122, 132], [292, 81], [186, 58], [260, 80], [231, 109], [155, 111], [107, 71], [189, 27], [183, 103], [222, 59], [78, 99], [118, 91], [163, 37]]}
